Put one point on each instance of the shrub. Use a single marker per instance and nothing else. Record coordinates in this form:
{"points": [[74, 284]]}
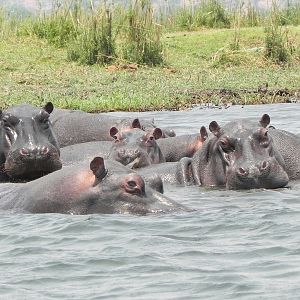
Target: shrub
{"points": [[277, 45], [94, 42], [141, 41], [211, 13]]}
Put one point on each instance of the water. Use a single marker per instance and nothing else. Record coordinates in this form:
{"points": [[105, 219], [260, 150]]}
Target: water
{"points": [[236, 245]]}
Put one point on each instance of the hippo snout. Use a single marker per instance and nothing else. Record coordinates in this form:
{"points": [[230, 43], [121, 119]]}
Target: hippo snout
{"points": [[246, 172], [34, 152], [264, 174], [31, 162], [129, 157], [129, 153]]}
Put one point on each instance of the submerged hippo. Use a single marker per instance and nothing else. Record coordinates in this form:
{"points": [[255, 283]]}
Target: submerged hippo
{"points": [[75, 126], [175, 148], [134, 148], [241, 155], [28, 145], [97, 187], [143, 124]]}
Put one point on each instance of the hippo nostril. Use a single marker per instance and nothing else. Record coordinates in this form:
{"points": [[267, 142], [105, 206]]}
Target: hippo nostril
{"points": [[264, 165], [136, 151], [241, 171], [24, 152], [44, 150]]}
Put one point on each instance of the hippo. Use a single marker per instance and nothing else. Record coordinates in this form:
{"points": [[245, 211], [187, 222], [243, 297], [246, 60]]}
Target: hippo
{"points": [[288, 145], [134, 148], [28, 146], [241, 155], [99, 186], [144, 124], [75, 126], [175, 148]]}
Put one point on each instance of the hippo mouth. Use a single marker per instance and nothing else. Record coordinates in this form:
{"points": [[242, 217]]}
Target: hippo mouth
{"points": [[33, 168], [278, 178], [137, 163]]}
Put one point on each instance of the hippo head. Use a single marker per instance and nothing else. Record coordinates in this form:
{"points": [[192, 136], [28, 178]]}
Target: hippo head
{"points": [[118, 191], [242, 155], [28, 148], [126, 125], [136, 148]]}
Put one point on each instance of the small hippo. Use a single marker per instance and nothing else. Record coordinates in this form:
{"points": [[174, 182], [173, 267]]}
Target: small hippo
{"points": [[241, 155], [28, 145], [175, 148], [136, 148], [95, 187]]}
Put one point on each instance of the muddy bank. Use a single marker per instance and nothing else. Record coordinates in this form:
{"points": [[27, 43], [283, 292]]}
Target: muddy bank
{"points": [[225, 97]]}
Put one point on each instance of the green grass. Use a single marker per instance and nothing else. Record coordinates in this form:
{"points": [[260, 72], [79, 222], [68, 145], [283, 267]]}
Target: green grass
{"points": [[33, 71]]}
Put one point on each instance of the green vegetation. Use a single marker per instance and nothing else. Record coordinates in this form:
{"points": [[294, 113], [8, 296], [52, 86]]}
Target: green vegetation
{"points": [[102, 60], [213, 14], [279, 48], [102, 34]]}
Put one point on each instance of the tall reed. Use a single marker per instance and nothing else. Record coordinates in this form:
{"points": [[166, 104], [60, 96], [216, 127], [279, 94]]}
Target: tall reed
{"points": [[94, 41], [141, 35], [211, 14], [277, 45]]}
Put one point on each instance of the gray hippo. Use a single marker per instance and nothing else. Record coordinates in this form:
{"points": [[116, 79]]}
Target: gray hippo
{"points": [[75, 126], [96, 187], [143, 124], [28, 145], [136, 148], [175, 148], [240, 155], [289, 146], [133, 148]]}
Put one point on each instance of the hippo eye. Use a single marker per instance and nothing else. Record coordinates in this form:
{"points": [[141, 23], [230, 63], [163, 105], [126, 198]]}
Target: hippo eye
{"points": [[45, 123], [132, 188], [226, 145], [43, 118], [131, 183], [10, 121]]}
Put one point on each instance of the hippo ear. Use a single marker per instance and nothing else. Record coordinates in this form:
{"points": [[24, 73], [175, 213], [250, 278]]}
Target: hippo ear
{"points": [[113, 131], [203, 134], [136, 123], [49, 107], [265, 120], [157, 133], [98, 167], [215, 128]]}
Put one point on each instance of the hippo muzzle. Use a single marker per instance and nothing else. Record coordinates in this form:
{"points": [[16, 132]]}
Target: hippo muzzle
{"points": [[266, 174], [32, 162]]}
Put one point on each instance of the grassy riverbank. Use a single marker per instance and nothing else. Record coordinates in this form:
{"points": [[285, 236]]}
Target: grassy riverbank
{"points": [[200, 67]]}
